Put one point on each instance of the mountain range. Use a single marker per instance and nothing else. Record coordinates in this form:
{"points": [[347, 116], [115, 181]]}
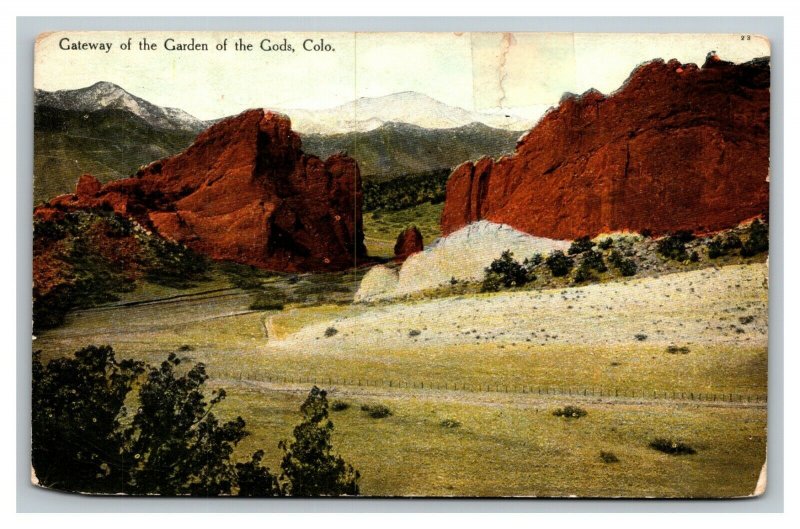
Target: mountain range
{"points": [[105, 95], [369, 113], [108, 132]]}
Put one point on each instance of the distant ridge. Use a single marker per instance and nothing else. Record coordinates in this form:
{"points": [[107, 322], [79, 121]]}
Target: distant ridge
{"points": [[369, 113], [395, 149], [105, 95]]}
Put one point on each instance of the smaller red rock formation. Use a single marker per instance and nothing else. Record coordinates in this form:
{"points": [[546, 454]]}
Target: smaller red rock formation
{"points": [[408, 242], [88, 186]]}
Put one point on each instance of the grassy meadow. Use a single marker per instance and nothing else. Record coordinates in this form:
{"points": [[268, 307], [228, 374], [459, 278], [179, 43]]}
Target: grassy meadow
{"points": [[470, 441], [381, 228]]}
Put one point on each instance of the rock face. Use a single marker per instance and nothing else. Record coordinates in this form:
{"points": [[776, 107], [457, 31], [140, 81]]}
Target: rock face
{"points": [[677, 147], [408, 242], [244, 192], [463, 256]]}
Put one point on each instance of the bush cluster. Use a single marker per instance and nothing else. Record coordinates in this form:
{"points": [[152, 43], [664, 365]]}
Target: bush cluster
{"points": [[406, 191], [559, 263], [674, 246], [669, 446], [591, 261], [674, 349], [340, 405], [606, 243], [570, 412], [376, 411], [505, 272], [626, 266], [608, 457], [757, 239], [86, 439], [580, 245], [89, 257], [268, 299]]}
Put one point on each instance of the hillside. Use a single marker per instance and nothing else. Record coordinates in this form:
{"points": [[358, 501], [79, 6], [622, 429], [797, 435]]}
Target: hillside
{"points": [[108, 143], [105, 95], [399, 148]]}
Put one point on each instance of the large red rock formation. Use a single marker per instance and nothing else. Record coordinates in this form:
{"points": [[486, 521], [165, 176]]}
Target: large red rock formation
{"points": [[244, 192], [677, 147]]}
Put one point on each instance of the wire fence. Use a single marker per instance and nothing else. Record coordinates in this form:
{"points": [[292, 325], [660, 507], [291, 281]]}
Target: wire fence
{"points": [[599, 392]]}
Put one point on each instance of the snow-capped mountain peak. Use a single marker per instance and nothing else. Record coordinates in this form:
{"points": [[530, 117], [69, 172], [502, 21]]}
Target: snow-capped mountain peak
{"points": [[368, 113], [104, 95]]}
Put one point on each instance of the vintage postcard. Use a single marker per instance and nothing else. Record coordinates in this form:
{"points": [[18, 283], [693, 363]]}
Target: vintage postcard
{"points": [[401, 264]]}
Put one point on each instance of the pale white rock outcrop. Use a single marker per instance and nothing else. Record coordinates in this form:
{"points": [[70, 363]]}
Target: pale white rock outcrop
{"points": [[463, 255]]}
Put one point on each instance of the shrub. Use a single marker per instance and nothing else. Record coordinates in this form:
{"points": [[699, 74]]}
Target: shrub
{"points": [[242, 276], [669, 446], [715, 248], [606, 243], [627, 267], [491, 282], [608, 457], [309, 467], [330, 331], [674, 246], [558, 263], [376, 411], [535, 260], [339, 405], [185, 347], [583, 273], [594, 260], [580, 245], [694, 256], [757, 239], [254, 480], [272, 299], [505, 272], [640, 337], [723, 244], [731, 241], [570, 412], [449, 423], [674, 349]]}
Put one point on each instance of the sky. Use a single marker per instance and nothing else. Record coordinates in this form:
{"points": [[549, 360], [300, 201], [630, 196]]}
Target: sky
{"points": [[518, 73]]}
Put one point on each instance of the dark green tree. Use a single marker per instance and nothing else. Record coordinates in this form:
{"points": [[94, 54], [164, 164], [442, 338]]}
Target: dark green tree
{"points": [[757, 239], [175, 444], [77, 407], [85, 440], [559, 263], [674, 246], [580, 245], [505, 272], [255, 480], [309, 467]]}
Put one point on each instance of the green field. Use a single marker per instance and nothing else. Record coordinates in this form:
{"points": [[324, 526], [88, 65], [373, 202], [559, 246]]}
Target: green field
{"points": [[508, 442], [381, 228]]}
